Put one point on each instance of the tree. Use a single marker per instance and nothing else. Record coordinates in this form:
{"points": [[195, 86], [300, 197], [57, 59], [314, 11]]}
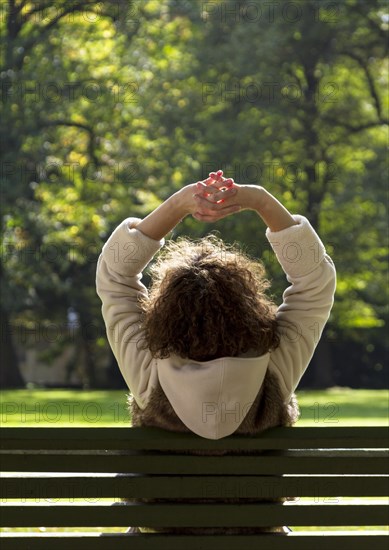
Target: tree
{"points": [[42, 100], [306, 89], [126, 102]]}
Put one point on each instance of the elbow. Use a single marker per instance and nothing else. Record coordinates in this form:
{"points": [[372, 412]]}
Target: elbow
{"points": [[98, 276], [331, 273]]}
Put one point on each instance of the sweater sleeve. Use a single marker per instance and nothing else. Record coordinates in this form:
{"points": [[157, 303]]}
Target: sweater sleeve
{"points": [[306, 303], [118, 284]]}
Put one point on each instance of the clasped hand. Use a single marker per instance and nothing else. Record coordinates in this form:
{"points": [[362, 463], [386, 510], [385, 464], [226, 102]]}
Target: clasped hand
{"points": [[215, 198]]}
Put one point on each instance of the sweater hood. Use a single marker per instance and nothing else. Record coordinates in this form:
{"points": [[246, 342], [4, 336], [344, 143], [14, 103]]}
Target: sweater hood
{"points": [[212, 398]]}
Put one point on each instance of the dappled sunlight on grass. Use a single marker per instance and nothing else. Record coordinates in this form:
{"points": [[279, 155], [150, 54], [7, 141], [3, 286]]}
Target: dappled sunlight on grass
{"points": [[332, 407], [53, 408], [343, 407]]}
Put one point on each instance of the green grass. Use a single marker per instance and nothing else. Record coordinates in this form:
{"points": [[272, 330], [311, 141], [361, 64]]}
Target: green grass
{"points": [[63, 408], [332, 407], [343, 407]]}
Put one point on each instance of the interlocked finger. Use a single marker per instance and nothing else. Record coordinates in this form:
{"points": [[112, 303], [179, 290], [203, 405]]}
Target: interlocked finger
{"points": [[206, 189], [217, 201], [206, 205], [215, 216], [218, 180]]}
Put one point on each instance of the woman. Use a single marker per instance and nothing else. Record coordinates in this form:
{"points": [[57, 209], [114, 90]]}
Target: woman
{"points": [[206, 351]]}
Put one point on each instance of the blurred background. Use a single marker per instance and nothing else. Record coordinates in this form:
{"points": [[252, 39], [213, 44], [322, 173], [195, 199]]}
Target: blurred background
{"points": [[109, 107]]}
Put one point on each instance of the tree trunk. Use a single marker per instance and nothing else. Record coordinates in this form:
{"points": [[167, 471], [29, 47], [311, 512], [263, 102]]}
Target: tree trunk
{"points": [[322, 366], [88, 367], [10, 375]]}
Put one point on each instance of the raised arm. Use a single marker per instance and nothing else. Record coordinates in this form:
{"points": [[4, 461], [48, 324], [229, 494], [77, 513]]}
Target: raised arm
{"points": [[118, 282], [182, 203], [308, 301], [216, 192]]}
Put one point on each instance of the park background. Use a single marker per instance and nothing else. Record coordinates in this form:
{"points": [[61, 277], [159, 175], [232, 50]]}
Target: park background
{"points": [[109, 107]]}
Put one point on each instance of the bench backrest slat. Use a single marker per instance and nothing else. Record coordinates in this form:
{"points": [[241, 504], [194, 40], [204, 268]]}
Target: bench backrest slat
{"points": [[191, 515], [127, 485], [165, 464], [214, 542], [150, 438]]}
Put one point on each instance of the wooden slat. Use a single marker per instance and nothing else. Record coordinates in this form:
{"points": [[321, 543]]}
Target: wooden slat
{"points": [[153, 438], [331, 450], [289, 463], [114, 486], [296, 541], [191, 515]]}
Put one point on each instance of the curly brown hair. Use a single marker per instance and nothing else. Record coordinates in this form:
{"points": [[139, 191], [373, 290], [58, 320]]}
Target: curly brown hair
{"points": [[207, 301]]}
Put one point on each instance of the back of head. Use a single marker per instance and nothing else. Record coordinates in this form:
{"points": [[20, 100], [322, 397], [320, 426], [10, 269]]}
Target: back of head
{"points": [[207, 301]]}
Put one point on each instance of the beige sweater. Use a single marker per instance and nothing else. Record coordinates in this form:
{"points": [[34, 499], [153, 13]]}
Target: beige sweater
{"points": [[212, 398]]}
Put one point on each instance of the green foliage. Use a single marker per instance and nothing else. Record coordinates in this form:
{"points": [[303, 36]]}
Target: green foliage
{"points": [[108, 107]]}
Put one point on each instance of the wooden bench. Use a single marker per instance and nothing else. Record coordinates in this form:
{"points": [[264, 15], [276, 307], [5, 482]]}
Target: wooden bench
{"points": [[94, 464]]}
